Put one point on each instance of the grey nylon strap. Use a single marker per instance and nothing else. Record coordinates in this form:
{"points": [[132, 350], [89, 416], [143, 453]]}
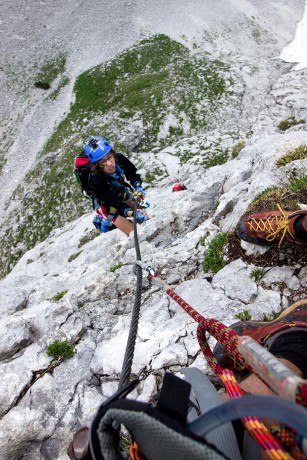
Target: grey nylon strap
{"points": [[207, 398]]}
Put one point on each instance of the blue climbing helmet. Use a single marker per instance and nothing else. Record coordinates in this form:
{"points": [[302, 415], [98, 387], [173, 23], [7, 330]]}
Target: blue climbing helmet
{"points": [[96, 147]]}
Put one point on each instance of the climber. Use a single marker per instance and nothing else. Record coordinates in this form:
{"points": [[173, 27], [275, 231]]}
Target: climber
{"points": [[113, 192], [274, 226]]}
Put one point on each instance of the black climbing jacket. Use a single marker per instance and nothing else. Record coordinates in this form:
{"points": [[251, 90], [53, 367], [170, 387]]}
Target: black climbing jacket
{"points": [[112, 189]]}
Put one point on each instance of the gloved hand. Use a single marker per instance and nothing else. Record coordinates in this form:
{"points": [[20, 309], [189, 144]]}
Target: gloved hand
{"points": [[140, 192], [126, 212], [105, 226], [140, 216], [102, 224]]}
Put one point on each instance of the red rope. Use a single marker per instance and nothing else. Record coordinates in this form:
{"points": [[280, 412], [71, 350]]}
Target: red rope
{"points": [[229, 339], [301, 394], [223, 334]]}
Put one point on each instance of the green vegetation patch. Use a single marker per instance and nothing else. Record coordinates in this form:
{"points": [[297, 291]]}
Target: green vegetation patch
{"points": [[54, 200], [88, 237], [214, 261], [287, 197], [269, 191], [237, 149], [155, 174], [49, 71], [63, 82], [58, 296], [218, 159], [148, 82], [74, 256], [288, 123], [258, 33], [202, 240], [244, 315], [203, 150], [298, 184], [270, 317], [257, 274], [63, 350], [116, 267], [248, 26], [156, 79], [299, 153]]}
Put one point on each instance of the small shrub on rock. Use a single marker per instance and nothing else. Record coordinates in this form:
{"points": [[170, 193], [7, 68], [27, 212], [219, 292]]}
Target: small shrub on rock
{"points": [[288, 123], [271, 316], [299, 153], [59, 349], [58, 296], [213, 261], [298, 183], [116, 267], [237, 149], [88, 237], [244, 315], [74, 256], [257, 274]]}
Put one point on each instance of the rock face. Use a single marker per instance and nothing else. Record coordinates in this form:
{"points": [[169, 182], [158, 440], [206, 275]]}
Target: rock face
{"points": [[42, 401], [84, 293]]}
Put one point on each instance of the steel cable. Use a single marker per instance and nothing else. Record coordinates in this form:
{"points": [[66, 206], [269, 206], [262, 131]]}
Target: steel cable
{"points": [[129, 353]]}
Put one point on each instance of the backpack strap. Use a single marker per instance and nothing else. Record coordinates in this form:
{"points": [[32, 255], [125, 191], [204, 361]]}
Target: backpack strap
{"points": [[174, 398], [121, 178]]}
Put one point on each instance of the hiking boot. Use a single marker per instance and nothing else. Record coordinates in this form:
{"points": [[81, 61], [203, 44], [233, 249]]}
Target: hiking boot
{"points": [[270, 227], [265, 332]]}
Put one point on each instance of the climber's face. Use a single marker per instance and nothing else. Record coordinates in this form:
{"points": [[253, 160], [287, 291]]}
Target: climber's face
{"points": [[107, 163]]}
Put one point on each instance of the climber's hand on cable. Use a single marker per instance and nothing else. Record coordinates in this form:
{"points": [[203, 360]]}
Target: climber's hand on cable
{"points": [[128, 212], [139, 191]]}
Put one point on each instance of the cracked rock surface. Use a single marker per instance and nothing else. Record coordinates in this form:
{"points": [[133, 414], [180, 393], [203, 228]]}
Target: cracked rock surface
{"points": [[43, 401]]}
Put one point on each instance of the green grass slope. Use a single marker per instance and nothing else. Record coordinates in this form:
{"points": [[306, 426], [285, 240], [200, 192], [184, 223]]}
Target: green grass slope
{"points": [[156, 79]]}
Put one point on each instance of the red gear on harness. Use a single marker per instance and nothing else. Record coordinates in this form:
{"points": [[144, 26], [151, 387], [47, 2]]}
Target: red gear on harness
{"points": [[107, 212]]}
